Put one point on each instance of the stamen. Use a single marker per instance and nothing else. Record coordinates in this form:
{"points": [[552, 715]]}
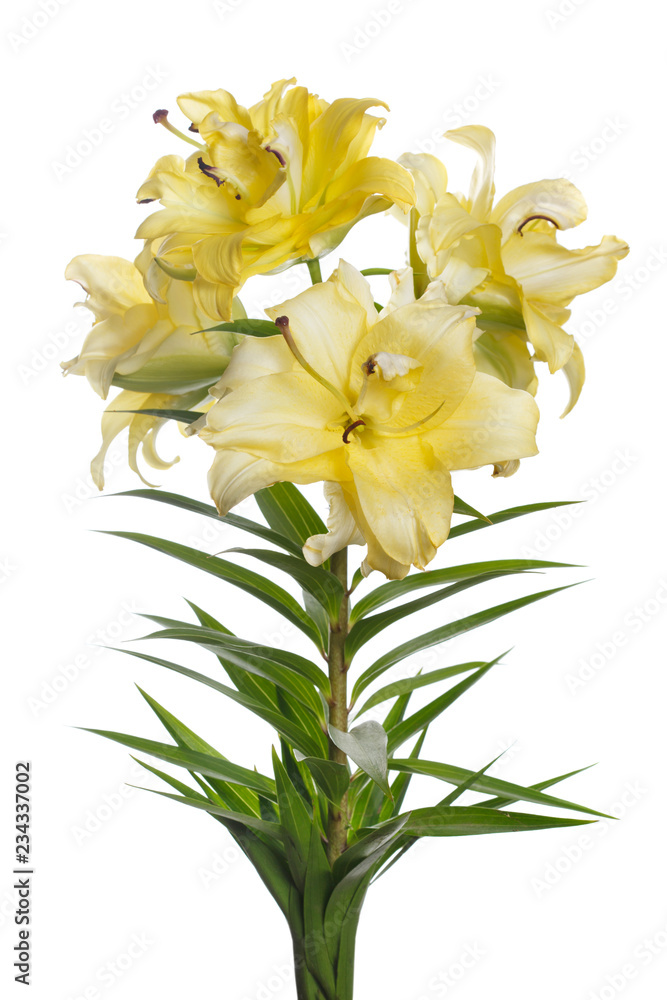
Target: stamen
{"points": [[281, 158], [282, 322], [160, 118], [210, 171], [532, 218], [193, 128], [348, 430]]}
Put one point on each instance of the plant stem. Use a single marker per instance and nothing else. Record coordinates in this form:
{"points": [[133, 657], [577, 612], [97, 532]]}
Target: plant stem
{"points": [[315, 270], [338, 712], [419, 275]]}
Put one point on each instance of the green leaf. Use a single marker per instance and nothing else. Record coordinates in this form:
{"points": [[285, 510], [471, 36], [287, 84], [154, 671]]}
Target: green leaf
{"points": [[288, 512], [366, 745], [444, 632], [231, 796], [208, 510], [332, 778], [317, 889], [183, 416], [295, 822], [506, 515], [404, 730], [245, 579], [246, 658], [461, 507], [365, 630], [203, 763], [319, 583], [465, 821], [247, 327], [251, 822], [501, 802], [405, 684], [293, 661], [451, 574], [180, 786], [297, 736], [400, 786], [481, 782]]}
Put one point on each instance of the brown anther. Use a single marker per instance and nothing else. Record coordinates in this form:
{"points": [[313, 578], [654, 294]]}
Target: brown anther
{"points": [[160, 116], [145, 201], [370, 366], [532, 218], [193, 128], [281, 158], [209, 171], [348, 430], [283, 324]]}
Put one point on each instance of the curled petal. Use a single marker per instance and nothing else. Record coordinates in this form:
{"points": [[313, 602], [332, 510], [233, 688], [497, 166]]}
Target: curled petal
{"points": [[558, 200], [342, 527], [482, 189], [575, 372]]}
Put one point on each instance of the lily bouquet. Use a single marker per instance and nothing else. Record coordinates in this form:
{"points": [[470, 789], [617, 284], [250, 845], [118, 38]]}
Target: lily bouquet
{"points": [[380, 402]]}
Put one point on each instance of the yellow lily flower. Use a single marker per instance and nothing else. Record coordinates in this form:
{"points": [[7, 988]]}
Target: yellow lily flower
{"points": [[382, 407], [505, 259], [151, 345], [269, 186]]}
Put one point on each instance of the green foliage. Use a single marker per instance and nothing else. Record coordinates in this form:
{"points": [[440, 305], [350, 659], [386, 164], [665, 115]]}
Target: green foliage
{"points": [[281, 823]]}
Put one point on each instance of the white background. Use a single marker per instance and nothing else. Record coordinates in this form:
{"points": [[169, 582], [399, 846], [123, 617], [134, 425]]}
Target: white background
{"points": [[570, 88]]}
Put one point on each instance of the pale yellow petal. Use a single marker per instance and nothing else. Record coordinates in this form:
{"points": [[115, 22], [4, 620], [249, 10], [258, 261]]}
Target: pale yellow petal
{"points": [[326, 327], [343, 530], [430, 177], [492, 424], [558, 200], [483, 142], [197, 105], [505, 355], [284, 418], [575, 372], [112, 284], [551, 273], [375, 175], [405, 496], [550, 341]]}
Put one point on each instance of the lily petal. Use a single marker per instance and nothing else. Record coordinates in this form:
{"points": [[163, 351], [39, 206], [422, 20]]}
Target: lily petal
{"points": [[343, 530]]}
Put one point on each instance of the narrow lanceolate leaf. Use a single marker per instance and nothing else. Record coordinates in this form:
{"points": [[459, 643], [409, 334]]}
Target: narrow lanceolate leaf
{"points": [[319, 583], [425, 716], [405, 684], [182, 416], [317, 890], [295, 822], [461, 507], [310, 741], [208, 510], [506, 515], [251, 822], [400, 786], [366, 745], [248, 660], [267, 591], [465, 821], [169, 779], [444, 632], [480, 782], [287, 511], [232, 796], [500, 802], [330, 777], [366, 629], [247, 327], [392, 591], [193, 761]]}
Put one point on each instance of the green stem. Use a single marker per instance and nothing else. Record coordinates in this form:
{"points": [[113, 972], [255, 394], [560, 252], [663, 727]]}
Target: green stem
{"points": [[315, 270], [420, 276], [338, 711], [306, 987]]}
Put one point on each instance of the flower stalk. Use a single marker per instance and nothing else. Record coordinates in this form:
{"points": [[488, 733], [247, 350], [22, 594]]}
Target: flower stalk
{"points": [[338, 708]]}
